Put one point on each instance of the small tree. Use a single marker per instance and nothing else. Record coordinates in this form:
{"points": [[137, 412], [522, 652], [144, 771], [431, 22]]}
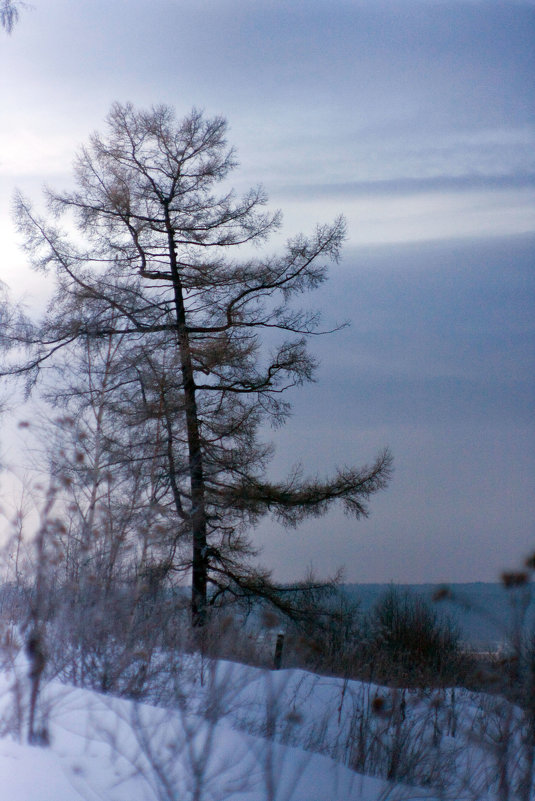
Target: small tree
{"points": [[157, 274], [9, 14]]}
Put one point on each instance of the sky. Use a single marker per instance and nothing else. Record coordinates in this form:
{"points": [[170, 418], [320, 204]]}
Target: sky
{"points": [[416, 120]]}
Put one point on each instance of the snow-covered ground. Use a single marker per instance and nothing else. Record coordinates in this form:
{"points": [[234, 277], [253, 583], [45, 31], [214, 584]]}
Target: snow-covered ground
{"points": [[222, 730], [116, 750]]}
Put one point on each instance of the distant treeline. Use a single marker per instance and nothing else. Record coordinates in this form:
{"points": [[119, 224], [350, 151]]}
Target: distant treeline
{"points": [[485, 612]]}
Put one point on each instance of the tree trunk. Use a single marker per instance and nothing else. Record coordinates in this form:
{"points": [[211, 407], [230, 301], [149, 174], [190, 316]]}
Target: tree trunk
{"points": [[198, 509]]}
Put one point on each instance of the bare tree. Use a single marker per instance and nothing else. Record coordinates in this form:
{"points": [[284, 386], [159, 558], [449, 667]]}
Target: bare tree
{"points": [[9, 14], [158, 272]]}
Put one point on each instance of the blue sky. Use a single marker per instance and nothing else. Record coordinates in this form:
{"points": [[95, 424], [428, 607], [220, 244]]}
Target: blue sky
{"points": [[416, 121]]}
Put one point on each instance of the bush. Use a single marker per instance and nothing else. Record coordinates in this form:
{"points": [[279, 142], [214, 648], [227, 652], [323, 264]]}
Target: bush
{"points": [[409, 640]]}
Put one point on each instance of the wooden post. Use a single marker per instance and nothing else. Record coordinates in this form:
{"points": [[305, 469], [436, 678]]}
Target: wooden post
{"points": [[278, 651]]}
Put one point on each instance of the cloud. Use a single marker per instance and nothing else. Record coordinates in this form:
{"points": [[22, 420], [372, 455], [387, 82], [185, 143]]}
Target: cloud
{"points": [[439, 331], [413, 186], [437, 364]]}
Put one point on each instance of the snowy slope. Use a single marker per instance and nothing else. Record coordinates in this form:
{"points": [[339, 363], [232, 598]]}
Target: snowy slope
{"points": [[112, 749], [257, 739]]}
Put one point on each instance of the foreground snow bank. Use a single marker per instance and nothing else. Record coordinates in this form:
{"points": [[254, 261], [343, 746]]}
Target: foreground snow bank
{"points": [[104, 748], [219, 730]]}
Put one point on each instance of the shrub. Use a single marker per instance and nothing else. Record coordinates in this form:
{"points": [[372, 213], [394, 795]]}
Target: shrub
{"points": [[409, 640]]}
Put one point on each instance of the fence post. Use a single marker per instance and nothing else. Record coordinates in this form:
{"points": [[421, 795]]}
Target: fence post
{"points": [[278, 651]]}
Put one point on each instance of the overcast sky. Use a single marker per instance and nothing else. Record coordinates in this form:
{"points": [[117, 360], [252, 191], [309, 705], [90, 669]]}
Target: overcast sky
{"points": [[416, 121]]}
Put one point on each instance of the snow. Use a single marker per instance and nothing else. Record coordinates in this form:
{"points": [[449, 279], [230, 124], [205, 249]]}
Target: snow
{"points": [[229, 732], [111, 749]]}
